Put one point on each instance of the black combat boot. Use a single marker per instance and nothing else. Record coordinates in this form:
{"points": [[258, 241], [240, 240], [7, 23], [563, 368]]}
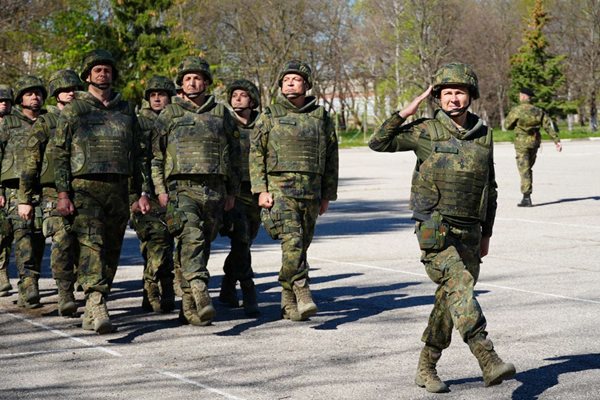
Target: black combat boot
{"points": [[249, 298], [526, 201], [228, 293]]}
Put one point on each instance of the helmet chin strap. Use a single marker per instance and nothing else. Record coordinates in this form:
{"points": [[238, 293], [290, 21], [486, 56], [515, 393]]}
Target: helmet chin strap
{"points": [[101, 86], [193, 95], [458, 111], [38, 108]]}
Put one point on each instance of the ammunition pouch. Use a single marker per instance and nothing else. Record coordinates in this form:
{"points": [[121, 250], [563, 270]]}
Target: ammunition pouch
{"points": [[175, 218], [431, 233]]}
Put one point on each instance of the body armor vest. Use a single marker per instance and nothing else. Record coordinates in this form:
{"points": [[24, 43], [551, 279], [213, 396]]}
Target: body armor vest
{"points": [[530, 119], [454, 178], [13, 152], [47, 172], [102, 140], [197, 143], [299, 138]]}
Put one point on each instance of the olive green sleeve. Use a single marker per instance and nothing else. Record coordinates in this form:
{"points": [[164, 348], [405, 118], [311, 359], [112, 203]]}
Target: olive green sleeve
{"points": [[394, 135], [33, 150], [259, 153], [235, 156], [158, 138], [550, 128], [329, 183], [492, 199], [140, 181], [511, 119], [61, 148]]}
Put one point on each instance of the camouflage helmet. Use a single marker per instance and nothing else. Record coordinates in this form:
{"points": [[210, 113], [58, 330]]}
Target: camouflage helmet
{"points": [[64, 79], [246, 85], [98, 57], [159, 84], [296, 67], [193, 64], [455, 74], [28, 82], [6, 93]]}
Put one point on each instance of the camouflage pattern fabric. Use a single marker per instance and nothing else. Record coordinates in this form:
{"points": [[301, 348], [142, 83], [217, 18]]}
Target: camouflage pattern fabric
{"points": [[102, 212], [241, 224], [453, 262], [297, 195], [194, 216], [156, 243], [455, 269], [527, 120]]}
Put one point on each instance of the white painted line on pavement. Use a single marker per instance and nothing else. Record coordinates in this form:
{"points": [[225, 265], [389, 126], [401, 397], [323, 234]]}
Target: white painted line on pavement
{"points": [[35, 353], [533, 221], [66, 335], [198, 384], [109, 351]]}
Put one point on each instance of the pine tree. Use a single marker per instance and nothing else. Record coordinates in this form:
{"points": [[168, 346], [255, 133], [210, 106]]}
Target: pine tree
{"points": [[533, 66]]}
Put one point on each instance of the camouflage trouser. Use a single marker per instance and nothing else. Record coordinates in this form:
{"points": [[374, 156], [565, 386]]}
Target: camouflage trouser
{"points": [[101, 214], [293, 222], [156, 243], [27, 238], [455, 268], [5, 240], [58, 228], [241, 224], [526, 147], [194, 215]]}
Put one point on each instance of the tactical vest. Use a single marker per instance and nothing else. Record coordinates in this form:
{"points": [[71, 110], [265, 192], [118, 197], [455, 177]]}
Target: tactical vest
{"points": [[47, 172], [245, 152], [14, 149], [297, 141], [103, 139], [454, 178], [197, 143], [530, 119]]}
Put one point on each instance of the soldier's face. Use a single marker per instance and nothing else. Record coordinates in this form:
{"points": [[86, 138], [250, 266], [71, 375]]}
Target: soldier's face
{"points": [[101, 75], [523, 97], [66, 96], [33, 99], [5, 107], [158, 100], [240, 100], [193, 85], [454, 98], [293, 86]]}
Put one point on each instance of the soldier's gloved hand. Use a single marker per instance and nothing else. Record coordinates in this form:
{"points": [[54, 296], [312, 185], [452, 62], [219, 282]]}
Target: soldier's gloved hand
{"points": [[163, 199], [265, 200], [144, 204], [25, 211], [64, 205], [229, 203]]}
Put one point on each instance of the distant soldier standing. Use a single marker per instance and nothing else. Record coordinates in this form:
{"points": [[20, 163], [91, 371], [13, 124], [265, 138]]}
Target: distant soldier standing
{"points": [[30, 94], [156, 243], [527, 120], [195, 171], [97, 148], [6, 99], [243, 221], [453, 198], [294, 169], [38, 174]]}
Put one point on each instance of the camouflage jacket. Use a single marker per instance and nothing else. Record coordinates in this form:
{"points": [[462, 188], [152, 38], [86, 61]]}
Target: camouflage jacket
{"points": [[73, 118], [14, 133], [180, 114], [292, 183], [245, 134], [395, 135], [527, 120]]}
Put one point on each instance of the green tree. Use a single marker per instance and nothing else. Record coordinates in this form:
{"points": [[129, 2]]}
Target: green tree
{"points": [[535, 67]]}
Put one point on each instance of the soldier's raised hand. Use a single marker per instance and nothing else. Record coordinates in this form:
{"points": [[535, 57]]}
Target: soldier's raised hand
{"points": [[412, 108]]}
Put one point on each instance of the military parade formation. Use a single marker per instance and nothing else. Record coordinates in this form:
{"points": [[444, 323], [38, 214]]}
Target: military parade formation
{"points": [[184, 168]]}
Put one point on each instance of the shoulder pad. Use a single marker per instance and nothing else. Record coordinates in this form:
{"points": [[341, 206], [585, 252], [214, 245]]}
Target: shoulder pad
{"points": [[80, 107], [50, 119], [319, 113], [11, 122], [175, 110], [435, 130], [277, 110], [218, 110], [145, 123]]}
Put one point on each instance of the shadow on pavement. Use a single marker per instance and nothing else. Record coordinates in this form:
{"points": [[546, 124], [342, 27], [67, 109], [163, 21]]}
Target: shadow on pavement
{"points": [[567, 200]]}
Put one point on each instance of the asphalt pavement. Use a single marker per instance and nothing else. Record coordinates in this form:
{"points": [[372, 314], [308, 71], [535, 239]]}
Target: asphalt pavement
{"points": [[538, 288]]}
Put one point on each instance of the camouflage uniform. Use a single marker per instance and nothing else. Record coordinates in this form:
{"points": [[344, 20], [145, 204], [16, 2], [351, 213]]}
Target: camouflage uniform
{"points": [[527, 119], [294, 157], [453, 198], [27, 235], [156, 243], [97, 147], [196, 161], [38, 172], [241, 223], [6, 94]]}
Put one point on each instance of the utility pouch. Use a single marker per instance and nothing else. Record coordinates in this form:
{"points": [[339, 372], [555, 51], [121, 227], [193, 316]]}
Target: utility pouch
{"points": [[269, 223], [175, 219], [431, 233], [38, 218]]}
